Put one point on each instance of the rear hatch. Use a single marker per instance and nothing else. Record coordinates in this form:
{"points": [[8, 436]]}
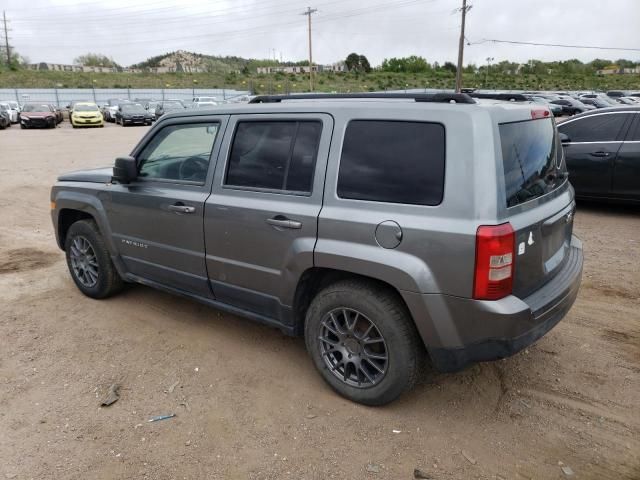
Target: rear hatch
{"points": [[535, 177]]}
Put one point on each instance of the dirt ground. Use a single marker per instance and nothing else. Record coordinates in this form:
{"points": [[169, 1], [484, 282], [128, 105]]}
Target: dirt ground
{"points": [[247, 400]]}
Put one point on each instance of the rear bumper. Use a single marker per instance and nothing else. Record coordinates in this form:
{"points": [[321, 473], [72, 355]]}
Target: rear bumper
{"points": [[465, 331]]}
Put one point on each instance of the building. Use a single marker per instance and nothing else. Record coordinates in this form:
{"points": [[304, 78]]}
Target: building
{"points": [[336, 67]]}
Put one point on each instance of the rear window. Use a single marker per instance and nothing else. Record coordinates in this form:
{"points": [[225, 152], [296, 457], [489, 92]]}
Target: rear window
{"points": [[393, 161], [532, 160]]}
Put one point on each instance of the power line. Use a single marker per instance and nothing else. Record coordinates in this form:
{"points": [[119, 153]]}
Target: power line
{"points": [[515, 42]]}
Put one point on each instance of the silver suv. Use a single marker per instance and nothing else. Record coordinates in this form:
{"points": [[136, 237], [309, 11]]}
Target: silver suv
{"points": [[384, 228]]}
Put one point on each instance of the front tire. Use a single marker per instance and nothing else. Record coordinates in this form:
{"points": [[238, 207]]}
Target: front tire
{"points": [[89, 261], [363, 341]]}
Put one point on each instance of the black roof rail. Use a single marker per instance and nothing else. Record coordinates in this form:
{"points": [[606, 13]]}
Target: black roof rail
{"points": [[418, 97], [507, 97]]}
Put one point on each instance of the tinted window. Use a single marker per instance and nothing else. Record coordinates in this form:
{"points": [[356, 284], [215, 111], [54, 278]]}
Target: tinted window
{"points": [[595, 128], [395, 162], [531, 159], [274, 155], [634, 133], [179, 152]]}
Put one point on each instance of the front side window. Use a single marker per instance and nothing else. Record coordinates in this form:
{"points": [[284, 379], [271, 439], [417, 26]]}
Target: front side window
{"points": [[595, 128], [275, 155], [179, 152], [393, 161]]}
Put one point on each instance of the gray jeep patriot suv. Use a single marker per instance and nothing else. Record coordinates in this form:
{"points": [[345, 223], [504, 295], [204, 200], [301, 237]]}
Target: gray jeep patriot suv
{"points": [[381, 227]]}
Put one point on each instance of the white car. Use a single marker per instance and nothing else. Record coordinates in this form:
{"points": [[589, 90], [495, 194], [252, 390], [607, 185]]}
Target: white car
{"points": [[13, 108], [204, 104]]}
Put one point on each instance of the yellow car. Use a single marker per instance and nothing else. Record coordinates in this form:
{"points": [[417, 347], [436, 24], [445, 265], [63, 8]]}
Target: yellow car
{"points": [[86, 114]]}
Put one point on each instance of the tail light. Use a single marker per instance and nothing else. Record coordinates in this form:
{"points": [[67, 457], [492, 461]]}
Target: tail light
{"points": [[540, 113], [495, 251]]}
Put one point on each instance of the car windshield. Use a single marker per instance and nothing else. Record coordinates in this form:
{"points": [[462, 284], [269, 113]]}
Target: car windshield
{"points": [[31, 107], [86, 108], [133, 108], [13, 105], [172, 106], [532, 160]]}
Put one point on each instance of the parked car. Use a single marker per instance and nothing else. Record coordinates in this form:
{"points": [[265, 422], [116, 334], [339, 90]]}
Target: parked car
{"points": [[111, 107], [132, 114], [58, 113], [571, 106], [204, 99], [335, 220], [604, 98], [602, 151], [168, 107], [151, 108], [86, 114], [5, 117], [204, 105], [38, 115], [11, 110], [555, 109], [71, 105], [627, 100], [595, 101], [615, 94]]}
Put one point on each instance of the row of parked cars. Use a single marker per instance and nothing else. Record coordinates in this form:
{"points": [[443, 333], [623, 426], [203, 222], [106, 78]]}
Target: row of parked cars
{"points": [[140, 111], [572, 103]]}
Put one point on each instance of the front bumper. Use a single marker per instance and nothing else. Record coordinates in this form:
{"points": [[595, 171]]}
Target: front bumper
{"points": [[86, 122], [464, 331]]}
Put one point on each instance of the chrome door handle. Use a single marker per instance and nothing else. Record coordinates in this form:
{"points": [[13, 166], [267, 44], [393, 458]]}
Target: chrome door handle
{"points": [[283, 222], [600, 154], [181, 208]]}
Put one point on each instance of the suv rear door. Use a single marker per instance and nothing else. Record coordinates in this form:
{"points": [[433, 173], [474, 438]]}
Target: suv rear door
{"points": [[261, 219], [536, 203], [594, 141], [156, 220], [626, 172]]}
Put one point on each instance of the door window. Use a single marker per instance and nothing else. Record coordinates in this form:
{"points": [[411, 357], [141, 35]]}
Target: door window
{"points": [[595, 128], [179, 152], [275, 155], [634, 133]]}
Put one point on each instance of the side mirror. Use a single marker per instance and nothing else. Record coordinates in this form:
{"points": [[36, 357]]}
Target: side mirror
{"points": [[125, 170], [564, 138]]}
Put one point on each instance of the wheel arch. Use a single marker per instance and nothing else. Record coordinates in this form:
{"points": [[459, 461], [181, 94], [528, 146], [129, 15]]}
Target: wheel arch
{"points": [[314, 279]]}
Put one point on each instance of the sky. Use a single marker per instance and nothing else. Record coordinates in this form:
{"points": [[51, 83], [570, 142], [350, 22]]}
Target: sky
{"points": [[130, 31]]}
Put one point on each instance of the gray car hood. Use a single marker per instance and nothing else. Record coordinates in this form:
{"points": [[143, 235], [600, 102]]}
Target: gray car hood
{"points": [[96, 175]]}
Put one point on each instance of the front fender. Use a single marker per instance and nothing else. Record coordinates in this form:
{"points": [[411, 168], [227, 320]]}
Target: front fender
{"points": [[89, 203]]}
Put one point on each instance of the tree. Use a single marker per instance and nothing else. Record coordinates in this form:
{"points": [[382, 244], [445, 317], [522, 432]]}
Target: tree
{"points": [[450, 67], [412, 64], [96, 60], [357, 63]]}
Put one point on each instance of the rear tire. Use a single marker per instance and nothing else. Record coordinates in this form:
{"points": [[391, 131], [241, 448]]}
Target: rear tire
{"points": [[89, 261], [363, 341]]}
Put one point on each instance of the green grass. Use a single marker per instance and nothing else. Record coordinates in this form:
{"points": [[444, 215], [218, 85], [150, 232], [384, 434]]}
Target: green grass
{"points": [[326, 82]]}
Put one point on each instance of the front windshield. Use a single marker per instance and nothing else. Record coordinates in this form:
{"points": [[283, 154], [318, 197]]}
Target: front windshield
{"points": [[133, 108], [86, 108], [13, 105], [36, 108], [172, 106]]}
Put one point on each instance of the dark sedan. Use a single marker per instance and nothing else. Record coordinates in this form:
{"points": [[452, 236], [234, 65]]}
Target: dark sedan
{"points": [[602, 151], [133, 114], [571, 106]]}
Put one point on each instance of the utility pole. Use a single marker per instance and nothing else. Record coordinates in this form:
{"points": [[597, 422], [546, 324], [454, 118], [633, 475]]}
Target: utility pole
{"points": [[6, 37], [464, 11], [308, 13]]}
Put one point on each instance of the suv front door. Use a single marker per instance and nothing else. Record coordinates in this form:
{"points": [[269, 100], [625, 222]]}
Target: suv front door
{"points": [[594, 141], [261, 219], [156, 220]]}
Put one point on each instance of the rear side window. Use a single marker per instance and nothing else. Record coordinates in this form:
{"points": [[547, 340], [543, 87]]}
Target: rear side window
{"points": [[277, 155], [532, 160], [595, 128], [393, 161]]}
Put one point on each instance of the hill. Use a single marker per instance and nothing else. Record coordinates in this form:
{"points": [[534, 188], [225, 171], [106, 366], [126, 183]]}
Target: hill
{"points": [[181, 60]]}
